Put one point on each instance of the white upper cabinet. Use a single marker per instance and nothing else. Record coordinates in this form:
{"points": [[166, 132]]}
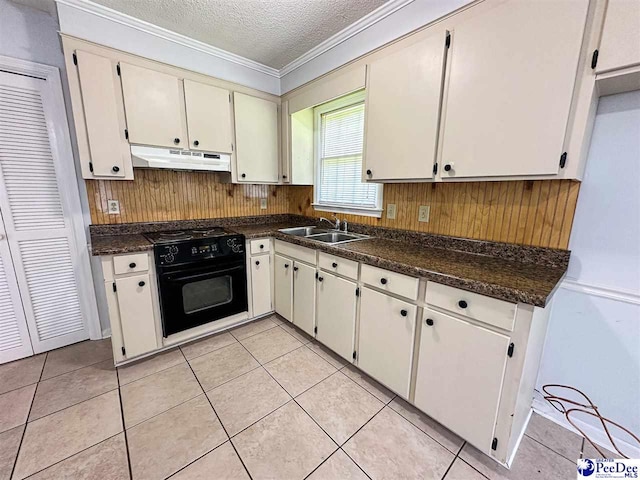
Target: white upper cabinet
{"points": [[154, 105], [510, 83], [401, 111], [256, 122], [620, 44], [208, 117], [104, 150]]}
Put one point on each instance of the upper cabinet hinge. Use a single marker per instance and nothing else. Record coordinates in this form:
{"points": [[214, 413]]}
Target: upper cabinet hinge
{"points": [[594, 59], [75, 59], [126, 134], [510, 352], [563, 159], [118, 69], [358, 292], [114, 287], [232, 147], [91, 167], [229, 98], [447, 41], [494, 444], [435, 168]]}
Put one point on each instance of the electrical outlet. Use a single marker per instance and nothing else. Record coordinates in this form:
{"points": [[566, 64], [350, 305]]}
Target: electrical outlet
{"points": [[114, 207], [263, 203], [423, 213], [391, 211]]}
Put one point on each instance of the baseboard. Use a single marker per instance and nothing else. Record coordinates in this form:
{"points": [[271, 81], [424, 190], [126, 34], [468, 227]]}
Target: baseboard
{"points": [[544, 409]]}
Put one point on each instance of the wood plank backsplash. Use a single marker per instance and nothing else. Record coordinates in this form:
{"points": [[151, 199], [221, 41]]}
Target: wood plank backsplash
{"points": [[525, 212], [536, 213]]}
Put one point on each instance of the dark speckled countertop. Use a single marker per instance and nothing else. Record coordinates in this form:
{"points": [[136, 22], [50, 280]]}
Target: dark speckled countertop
{"points": [[505, 271]]}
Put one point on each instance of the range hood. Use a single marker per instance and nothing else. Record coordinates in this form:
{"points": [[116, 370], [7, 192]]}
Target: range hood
{"points": [[175, 159]]}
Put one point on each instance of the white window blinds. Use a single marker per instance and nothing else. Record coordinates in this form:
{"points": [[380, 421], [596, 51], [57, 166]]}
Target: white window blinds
{"points": [[338, 181]]}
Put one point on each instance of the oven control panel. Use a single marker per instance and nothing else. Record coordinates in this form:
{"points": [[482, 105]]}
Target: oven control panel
{"points": [[192, 251]]}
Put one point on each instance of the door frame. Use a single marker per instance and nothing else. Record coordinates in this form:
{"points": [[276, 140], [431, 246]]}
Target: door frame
{"points": [[65, 165]]}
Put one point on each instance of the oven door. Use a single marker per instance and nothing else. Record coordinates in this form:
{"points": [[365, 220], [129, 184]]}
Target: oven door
{"points": [[194, 296]]}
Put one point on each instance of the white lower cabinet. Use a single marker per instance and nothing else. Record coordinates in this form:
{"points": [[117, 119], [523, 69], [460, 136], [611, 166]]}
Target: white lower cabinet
{"points": [[137, 319], [304, 296], [336, 313], [385, 349], [261, 284], [283, 279], [460, 373]]}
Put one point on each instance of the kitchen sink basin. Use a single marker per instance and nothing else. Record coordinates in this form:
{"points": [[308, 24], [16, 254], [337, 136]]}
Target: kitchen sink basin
{"points": [[303, 231], [330, 237], [336, 237]]}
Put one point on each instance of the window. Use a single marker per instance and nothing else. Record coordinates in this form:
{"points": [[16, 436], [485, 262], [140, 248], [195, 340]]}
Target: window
{"points": [[339, 138]]}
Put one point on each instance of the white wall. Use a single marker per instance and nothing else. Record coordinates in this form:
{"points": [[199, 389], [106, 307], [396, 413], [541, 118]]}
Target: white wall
{"points": [[408, 18], [593, 342]]}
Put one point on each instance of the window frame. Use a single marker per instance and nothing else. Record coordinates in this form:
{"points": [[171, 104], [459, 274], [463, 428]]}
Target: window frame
{"points": [[340, 103]]}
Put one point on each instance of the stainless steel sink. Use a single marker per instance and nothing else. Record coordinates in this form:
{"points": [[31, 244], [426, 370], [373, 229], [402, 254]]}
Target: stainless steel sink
{"points": [[337, 237], [330, 237], [303, 231]]}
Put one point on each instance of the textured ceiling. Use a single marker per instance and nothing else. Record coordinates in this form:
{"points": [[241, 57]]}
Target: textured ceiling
{"points": [[272, 32]]}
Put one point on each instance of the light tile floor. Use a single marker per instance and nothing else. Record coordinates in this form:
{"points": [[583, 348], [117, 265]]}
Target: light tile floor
{"points": [[261, 401]]}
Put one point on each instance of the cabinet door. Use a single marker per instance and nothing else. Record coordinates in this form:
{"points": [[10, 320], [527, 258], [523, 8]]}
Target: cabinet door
{"points": [[154, 105], [336, 314], [402, 108], [256, 123], [136, 314], [620, 45], [283, 277], [304, 297], [261, 285], [459, 380], [510, 85], [108, 149], [208, 117], [385, 347]]}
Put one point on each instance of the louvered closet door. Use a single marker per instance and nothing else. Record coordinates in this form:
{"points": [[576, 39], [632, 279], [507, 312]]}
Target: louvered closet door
{"points": [[33, 208], [14, 336]]}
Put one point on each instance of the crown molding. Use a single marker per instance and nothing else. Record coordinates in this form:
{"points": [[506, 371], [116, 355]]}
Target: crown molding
{"points": [[356, 27], [146, 27]]}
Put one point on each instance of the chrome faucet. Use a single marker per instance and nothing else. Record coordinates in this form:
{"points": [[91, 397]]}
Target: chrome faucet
{"points": [[337, 224]]}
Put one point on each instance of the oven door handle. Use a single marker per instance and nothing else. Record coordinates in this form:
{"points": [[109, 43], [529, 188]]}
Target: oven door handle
{"points": [[216, 273]]}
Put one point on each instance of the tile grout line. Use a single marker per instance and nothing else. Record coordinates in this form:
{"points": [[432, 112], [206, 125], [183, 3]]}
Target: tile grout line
{"points": [[551, 449], [24, 430], [453, 460], [73, 405], [75, 369], [354, 462], [124, 429], [219, 420]]}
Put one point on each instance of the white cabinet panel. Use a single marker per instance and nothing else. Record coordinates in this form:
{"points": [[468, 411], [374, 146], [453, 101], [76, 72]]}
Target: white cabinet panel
{"points": [[459, 378], [510, 85], [283, 278], [336, 314], [304, 297], [256, 122], [261, 285], [136, 314], [103, 109], [620, 44], [385, 347], [208, 117], [154, 105], [402, 108]]}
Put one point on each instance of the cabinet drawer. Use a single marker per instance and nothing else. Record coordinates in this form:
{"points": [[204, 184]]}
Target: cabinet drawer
{"points": [[492, 311], [131, 263], [391, 282], [296, 252], [260, 245], [341, 266]]}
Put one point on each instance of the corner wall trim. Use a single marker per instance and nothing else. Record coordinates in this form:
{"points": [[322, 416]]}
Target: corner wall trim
{"points": [[604, 292], [146, 27]]}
